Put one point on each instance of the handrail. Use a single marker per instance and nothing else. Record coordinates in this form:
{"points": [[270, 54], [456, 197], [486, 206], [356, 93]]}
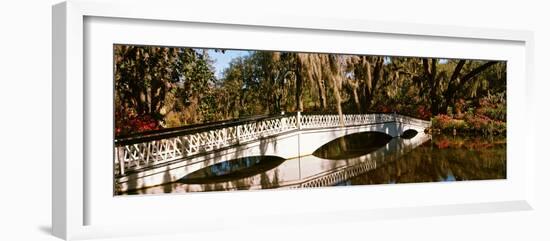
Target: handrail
{"points": [[188, 129], [196, 128]]}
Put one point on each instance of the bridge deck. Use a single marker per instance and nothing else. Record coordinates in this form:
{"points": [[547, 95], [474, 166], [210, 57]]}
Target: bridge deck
{"points": [[146, 150]]}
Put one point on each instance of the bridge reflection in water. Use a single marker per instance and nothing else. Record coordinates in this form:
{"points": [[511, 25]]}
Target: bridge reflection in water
{"points": [[159, 157], [334, 163]]}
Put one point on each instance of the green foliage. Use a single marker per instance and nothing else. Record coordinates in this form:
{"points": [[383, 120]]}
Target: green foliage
{"points": [[493, 106], [448, 124], [469, 124], [160, 87], [154, 81]]}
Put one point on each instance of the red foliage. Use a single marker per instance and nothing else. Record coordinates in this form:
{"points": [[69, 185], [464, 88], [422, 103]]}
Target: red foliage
{"points": [[477, 143], [486, 103], [419, 111], [478, 121], [459, 105], [443, 143], [384, 108], [423, 112], [136, 124], [444, 119]]}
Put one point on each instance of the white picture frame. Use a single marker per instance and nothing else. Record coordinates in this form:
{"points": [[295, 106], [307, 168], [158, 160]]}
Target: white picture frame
{"points": [[75, 201]]}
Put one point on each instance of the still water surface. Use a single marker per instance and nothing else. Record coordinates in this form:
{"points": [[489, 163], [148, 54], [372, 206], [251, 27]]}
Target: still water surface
{"points": [[443, 159], [357, 159]]}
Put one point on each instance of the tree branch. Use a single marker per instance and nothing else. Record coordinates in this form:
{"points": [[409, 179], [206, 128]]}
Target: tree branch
{"points": [[476, 71]]}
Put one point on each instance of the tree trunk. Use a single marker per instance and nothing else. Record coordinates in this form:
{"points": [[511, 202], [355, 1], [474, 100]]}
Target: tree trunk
{"points": [[430, 70], [356, 99], [368, 87], [338, 98], [452, 88], [373, 77], [322, 94], [298, 94], [449, 93]]}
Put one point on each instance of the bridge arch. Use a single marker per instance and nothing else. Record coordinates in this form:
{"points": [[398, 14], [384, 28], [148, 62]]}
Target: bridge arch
{"points": [[352, 145], [243, 167], [409, 133], [159, 158]]}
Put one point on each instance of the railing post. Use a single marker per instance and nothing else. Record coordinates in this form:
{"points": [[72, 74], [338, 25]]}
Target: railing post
{"points": [[122, 167], [238, 134], [120, 156], [298, 121], [397, 131], [284, 125]]}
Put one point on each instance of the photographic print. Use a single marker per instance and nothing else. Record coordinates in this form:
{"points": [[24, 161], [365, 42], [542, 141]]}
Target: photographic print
{"points": [[190, 119]]}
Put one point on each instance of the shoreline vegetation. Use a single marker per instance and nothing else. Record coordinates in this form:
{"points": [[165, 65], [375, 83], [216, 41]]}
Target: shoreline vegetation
{"points": [[489, 118], [466, 141]]}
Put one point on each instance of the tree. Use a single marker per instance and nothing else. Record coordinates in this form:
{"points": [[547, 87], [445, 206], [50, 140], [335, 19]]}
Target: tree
{"points": [[364, 74], [148, 77], [458, 80], [158, 87]]}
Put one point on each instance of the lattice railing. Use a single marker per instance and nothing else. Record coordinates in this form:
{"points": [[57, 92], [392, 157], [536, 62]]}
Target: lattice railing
{"points": [[141, 154], [410, 120], [326, 121], [339, 176], [148, 153]]}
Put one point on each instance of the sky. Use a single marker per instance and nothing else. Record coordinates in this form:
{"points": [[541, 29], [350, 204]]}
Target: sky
{"points": [[221, 60]]}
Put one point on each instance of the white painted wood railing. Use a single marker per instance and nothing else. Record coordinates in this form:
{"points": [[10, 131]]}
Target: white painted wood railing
{"points": [[137, 154]]}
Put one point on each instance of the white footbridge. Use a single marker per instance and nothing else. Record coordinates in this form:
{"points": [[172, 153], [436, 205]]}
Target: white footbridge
{"points": [[166, 156]]}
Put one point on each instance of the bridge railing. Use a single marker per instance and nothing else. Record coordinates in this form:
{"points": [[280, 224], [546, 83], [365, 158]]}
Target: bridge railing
{"points": [[326, 121], [135, 153], [131, 154], [410, 120]]}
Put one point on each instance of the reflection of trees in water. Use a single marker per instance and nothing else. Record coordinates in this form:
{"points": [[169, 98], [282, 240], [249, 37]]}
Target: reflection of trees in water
{"points": [[461, 159], [458, 158], [353, 145], [233, 170]]}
